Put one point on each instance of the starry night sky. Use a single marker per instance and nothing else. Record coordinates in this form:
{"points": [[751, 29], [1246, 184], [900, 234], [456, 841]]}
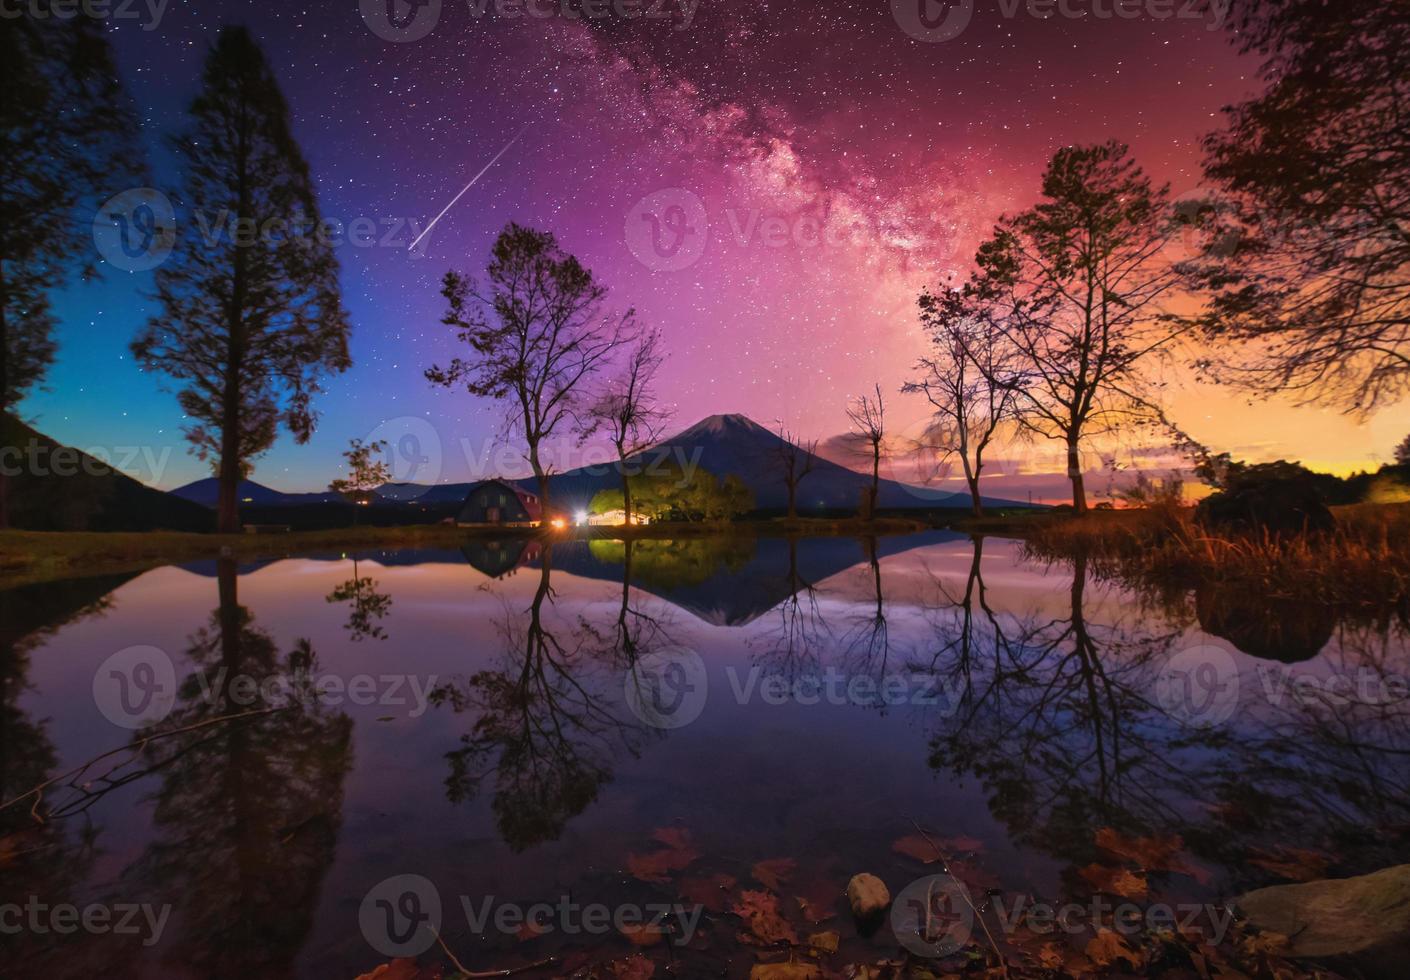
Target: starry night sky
{"points": [[790, 115]]}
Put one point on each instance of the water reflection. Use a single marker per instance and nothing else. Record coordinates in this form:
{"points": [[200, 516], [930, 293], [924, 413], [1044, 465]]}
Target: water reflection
{"points": [[255, 832], [247, 812], [1059, 721], [544, 737], [366, 605]]}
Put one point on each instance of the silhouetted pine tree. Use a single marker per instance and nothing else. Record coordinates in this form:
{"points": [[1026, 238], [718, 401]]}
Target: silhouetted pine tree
{"points": [[251, 314]]}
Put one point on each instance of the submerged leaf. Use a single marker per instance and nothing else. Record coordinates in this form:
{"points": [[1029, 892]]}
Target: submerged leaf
{"points": [[759, 909]]}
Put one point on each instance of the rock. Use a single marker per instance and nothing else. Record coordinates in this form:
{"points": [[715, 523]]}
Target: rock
{"points": [[868, 896], [1364, 921]]}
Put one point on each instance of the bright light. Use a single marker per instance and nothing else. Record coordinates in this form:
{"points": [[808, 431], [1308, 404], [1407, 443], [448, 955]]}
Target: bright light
{"points": [[558, 523], [580, 517]]}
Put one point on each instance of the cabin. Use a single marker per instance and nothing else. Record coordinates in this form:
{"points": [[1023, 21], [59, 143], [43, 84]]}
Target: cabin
{"points": [[501, 504]]}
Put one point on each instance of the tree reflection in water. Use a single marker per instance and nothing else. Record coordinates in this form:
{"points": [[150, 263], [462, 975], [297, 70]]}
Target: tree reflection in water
{"points": [[1058, 720], [795, 647], [365, 604], [42, 854], [248, 812], [545, 735]]}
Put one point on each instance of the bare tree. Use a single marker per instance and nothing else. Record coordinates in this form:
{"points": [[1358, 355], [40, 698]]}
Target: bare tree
{"points": [[538, 331], [868, 418], [628, 412], [972, 381], [1078, 284], [793, 460]]}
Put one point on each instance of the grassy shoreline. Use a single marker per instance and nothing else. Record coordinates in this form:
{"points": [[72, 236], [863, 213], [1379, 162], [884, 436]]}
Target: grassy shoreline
{"points": [[1364, 564], [28, 557]]}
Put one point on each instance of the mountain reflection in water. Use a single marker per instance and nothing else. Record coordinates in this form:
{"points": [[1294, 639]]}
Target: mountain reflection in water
{"points": [[935, 677]]}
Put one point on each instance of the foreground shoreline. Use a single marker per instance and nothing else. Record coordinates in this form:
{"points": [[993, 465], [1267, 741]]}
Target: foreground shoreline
{"points": [[31, 557]]}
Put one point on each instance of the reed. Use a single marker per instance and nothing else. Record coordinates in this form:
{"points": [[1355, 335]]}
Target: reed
{"points": [[1364, 563]]}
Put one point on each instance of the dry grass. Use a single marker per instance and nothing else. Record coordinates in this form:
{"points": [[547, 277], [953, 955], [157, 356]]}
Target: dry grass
{"points": [[1364, 563]]}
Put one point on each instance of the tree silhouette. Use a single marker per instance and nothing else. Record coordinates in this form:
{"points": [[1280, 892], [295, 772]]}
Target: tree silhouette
{"points": [[1078, 284], [973, 381], [1307, 260], [251, 316], [627, 410], [364, 473], [868, 418], [68, 141], [793, 460], [538, 331]]}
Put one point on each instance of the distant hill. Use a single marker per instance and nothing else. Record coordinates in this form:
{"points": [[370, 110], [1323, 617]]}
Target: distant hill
{"points": [[206, 492], [75, 492]]}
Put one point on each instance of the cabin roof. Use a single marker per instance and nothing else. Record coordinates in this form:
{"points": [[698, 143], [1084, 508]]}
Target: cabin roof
{"points": [[528, 499]]}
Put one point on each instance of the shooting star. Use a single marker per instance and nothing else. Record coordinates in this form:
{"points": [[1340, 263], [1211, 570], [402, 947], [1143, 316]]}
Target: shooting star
{"points": [[493, 160]]}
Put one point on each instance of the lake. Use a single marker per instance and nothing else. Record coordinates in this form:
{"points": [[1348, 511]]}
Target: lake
{"points": [[677, 750]]}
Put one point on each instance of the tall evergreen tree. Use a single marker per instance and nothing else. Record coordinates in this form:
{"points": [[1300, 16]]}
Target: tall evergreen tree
{"points": [[68, 135], [251, 314]]}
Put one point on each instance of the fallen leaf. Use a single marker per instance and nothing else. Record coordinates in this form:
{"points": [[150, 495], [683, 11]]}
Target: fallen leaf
{"points": [[1106, 948], [825, 941], [773, 872], [759, 909], [1159, 853], [784, 971], [917, 847], [641, 935], [1114, 881], [1293, 863], [398, 969], [1051, 956], [634, 967], [712, 892], [676, 855], [1264, 943]]}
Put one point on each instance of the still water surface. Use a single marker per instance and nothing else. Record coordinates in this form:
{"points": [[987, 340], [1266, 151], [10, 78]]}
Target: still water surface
{"points": [[644, 726]]}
